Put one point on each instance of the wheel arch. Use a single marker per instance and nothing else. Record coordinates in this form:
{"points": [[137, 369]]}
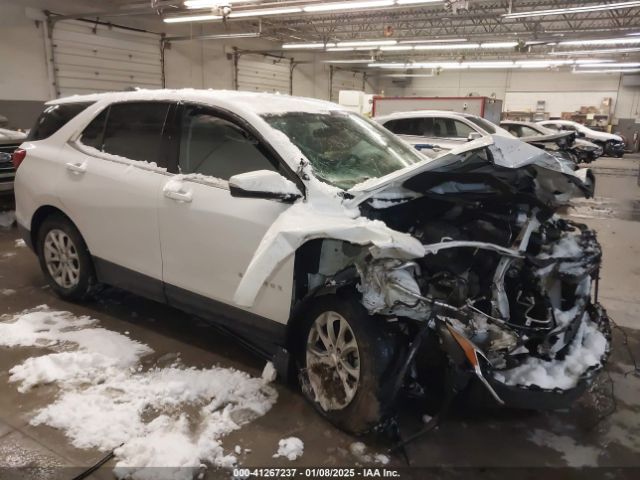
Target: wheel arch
{"points": [[40, 215], [309, 261]]}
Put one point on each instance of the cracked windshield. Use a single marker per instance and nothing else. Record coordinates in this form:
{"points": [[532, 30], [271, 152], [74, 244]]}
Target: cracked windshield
{"points": [[344, 148]]}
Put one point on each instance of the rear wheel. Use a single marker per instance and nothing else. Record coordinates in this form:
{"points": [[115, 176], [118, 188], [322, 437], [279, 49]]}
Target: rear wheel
{"points": [[343, 355], [64, 258]]}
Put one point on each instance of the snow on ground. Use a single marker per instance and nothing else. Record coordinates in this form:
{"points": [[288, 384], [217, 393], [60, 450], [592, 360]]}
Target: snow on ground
{"points": [[20, 243], [359, 450], [7, 291], [291, 448], [162, 417], [588, 348]]}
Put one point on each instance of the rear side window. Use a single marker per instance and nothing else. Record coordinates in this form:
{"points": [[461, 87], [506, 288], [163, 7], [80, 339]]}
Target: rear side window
{"points": [[449, 128], [131, 130], [406, 126], [54, 117]]}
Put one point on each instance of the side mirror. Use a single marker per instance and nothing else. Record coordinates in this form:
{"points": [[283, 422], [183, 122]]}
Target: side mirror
{"points": [[263, 184], [473, 136]]}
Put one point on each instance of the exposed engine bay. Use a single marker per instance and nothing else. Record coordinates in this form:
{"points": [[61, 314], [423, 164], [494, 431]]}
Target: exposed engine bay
{"points": [[509, 279]]}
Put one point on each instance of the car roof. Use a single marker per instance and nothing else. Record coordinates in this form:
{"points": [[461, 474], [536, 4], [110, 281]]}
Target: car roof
{"points": [[517, 122], [254, 102], [424, 113]]}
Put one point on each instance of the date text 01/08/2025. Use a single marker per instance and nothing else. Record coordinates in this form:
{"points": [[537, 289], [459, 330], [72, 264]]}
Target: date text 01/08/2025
{"points": [[313, 473]]}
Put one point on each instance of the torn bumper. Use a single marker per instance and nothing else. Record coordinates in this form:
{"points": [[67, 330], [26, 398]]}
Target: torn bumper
{"points": [[533, 396]]}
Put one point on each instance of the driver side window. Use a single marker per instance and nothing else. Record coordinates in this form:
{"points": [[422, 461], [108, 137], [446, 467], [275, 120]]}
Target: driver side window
{"points": [[213, 146]]}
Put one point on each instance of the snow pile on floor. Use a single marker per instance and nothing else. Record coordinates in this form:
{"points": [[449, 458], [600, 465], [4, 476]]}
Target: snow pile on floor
{"points": [[7, 218], [587, 350], [163, 417], [20, 243], [359, 450], [291, 448]]}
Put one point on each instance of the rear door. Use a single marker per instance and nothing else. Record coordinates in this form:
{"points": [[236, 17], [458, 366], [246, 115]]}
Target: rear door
{"points": [[114, 172]]}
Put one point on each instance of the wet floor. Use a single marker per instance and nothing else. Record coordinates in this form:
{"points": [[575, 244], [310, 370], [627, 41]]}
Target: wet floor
{"points": [[601, 430]]}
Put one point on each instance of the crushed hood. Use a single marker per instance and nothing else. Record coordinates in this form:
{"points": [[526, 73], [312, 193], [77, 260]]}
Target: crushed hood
{"points": [[487, 160]]}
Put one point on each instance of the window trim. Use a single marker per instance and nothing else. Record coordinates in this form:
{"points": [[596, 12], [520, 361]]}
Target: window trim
{"points": [[269, 152]]}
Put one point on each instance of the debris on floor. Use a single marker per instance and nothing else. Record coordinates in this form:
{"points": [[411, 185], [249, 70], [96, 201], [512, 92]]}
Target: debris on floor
{"points": [[290, 448]]}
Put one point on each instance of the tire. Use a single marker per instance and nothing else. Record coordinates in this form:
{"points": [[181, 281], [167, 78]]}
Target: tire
{"points": [[58, 238], [364, 407]]}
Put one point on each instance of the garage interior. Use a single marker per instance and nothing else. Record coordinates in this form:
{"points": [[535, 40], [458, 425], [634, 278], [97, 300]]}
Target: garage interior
{"points": [[521, 60]]}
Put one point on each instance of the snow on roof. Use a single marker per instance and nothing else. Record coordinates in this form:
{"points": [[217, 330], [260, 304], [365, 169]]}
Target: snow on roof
{"points": [[255, 102], [424, 113]]}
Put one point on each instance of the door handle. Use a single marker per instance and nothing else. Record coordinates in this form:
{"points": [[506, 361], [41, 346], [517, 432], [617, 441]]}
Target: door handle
{"points": [[77, 167], [179, 196]]}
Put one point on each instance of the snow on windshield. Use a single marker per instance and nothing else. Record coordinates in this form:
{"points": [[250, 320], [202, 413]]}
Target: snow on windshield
{"points": [[344, 148]]}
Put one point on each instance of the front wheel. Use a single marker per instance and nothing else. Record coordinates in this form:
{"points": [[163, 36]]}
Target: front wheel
{"points": [[64, 258], [343, 357]]}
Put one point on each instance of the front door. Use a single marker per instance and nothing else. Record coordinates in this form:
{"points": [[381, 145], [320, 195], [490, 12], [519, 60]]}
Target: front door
{"points": [[209, 237]]}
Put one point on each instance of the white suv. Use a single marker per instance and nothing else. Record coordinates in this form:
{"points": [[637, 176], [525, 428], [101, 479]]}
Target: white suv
{"points": [[439, 131], [319, 236]]}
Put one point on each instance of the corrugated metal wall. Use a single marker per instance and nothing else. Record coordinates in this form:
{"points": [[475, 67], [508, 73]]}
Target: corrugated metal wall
{"points": [[259, 73], [98, 58]]}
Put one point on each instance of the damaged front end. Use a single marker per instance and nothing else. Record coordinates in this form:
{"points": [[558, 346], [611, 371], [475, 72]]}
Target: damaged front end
{"points": [[507, 286]]}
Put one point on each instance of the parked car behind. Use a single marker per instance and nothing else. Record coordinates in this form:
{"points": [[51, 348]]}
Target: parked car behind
{"points": [[613, 145], [581, 151], [331, 246], [9, 141], [439, 131]]}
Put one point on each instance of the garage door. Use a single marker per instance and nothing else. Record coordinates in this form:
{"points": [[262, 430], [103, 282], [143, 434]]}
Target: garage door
{"points": [[258, 73], [345, 80], [90, 58]]}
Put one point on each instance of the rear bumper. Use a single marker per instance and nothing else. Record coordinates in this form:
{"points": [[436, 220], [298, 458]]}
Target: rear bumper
{"points": [[533, 397]]}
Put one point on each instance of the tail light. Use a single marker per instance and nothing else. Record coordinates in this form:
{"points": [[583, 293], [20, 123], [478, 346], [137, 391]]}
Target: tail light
{"points": [[18, 156]]}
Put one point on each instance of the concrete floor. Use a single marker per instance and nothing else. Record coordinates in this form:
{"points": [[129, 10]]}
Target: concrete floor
{"points": [[601, 430]]}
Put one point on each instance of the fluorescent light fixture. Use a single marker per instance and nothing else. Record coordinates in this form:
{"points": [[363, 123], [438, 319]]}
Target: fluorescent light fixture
{"points": [[330, 7], [591, 60], [499, 45], [436, 40], [348, 61], [602, 41], [452, 46], [620, 70], [633, 34], [366, 43], [597, 51], [192, 18], [396, 48], [409, 75], [505, 64], [542, 63], [413, 2], [611, 65], [210, 3], [340, 49], [265, 11], [305, 46], [568, 10]]}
